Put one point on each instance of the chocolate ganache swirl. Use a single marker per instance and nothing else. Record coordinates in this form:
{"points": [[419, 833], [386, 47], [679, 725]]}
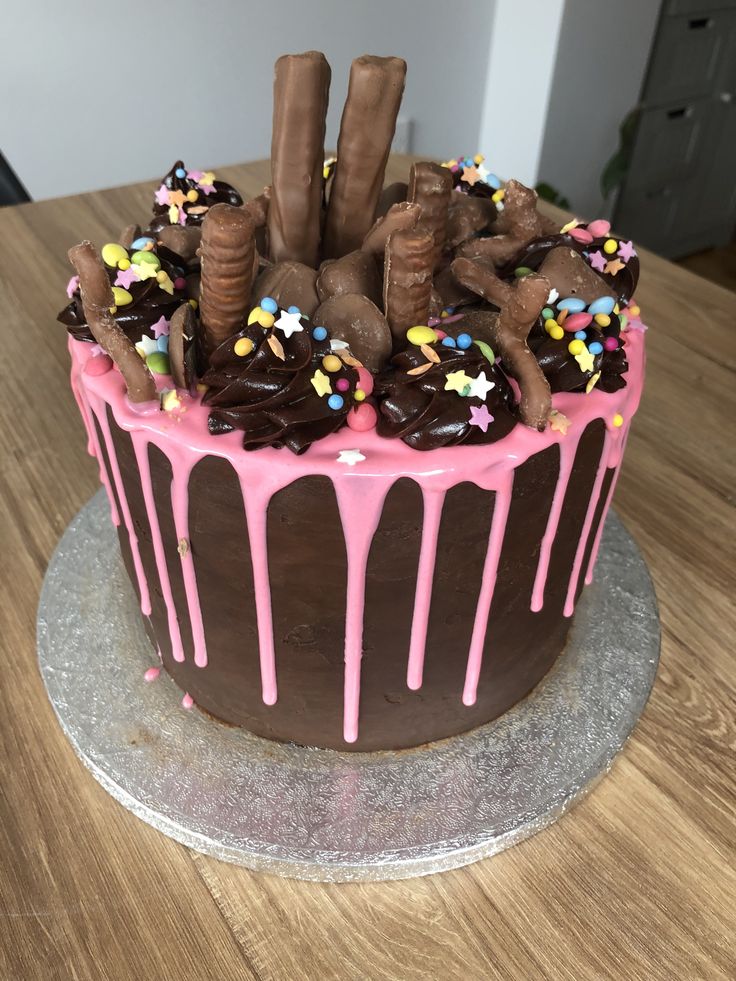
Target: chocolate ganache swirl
{"points": [[434, 395], [185, 196], [280, 387], [149, 287]]}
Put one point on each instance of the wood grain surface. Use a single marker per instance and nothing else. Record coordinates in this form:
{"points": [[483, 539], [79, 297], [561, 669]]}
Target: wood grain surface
{"points": [[637, 881]]}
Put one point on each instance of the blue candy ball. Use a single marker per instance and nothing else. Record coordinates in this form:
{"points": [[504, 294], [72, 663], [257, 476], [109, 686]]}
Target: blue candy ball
{"points": [[464, 341], [180, 172], [580, 334], [293, 309], [448, 341], [269, 304], [335, 402], [319, 333], [595, 348]]}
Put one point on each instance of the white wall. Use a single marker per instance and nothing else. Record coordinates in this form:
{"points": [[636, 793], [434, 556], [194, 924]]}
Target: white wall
{"points": [[600, 66], [110, 93]]}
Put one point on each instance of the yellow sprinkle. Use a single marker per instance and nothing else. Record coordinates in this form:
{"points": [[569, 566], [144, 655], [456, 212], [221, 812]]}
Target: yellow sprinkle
{"points": [[202, 388], [173, 214], [634, 311], [124, 264], [610, 246], [254, 315], [113, 309], [602, 319], [266, 319], [576, 347], [573, 223], [112, 254], [592, 382], [322, 384], [478, 159], [192, 195], [161, 276], [331, 362], [122, 297], [618, 420], [549, 324], [358, 394], [170, 401], [193, 304], [421, 335], [616, 308], [556, 332], [498, 195], [243, 346]]}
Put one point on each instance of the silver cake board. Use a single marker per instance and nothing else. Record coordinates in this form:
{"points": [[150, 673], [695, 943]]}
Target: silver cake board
{"points": [[321, 814]]}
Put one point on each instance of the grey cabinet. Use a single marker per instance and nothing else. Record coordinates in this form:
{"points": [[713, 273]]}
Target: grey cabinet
{"points": [[679, 195]]}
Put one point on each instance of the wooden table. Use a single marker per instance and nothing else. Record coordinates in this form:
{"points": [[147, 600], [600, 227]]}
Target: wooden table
{"points": [[637, 881]]}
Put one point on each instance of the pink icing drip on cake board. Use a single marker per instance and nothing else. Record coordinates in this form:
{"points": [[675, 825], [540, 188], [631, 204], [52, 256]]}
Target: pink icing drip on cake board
{"points": [[360, 489]]}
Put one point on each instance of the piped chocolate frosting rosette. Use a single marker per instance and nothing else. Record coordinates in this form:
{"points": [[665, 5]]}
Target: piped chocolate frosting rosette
{"points": [[280, 382], [185, 196], [444, 391]]}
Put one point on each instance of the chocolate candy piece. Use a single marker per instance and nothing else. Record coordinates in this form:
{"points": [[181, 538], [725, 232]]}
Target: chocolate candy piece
{"points": [[518, 223], [97, 298], [354, 319], [430, 186], [290, 284], [571, 275], [520, 305], [366, 131], [228, 253], [398, 216], [466, 217], [128, 235], [355, 272], [391, 194], [181, 335], [182, 239], [258, 207], [407, 281], [300, 93]]}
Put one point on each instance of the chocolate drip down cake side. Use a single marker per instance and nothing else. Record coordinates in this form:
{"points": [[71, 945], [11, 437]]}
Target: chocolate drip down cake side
{"points": [[359, 442]]}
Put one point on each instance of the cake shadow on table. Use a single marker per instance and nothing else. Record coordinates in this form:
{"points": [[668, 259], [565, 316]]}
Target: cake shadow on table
{"points": [[359, 442]]}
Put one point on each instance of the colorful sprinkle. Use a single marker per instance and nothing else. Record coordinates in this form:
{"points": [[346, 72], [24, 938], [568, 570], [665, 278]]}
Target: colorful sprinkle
{"points": [[122, 297], [448, 342], [421, 335], [322, 384], [480, 417], [331, 363], [464, 341], [592, 382], [158, 363], [599, 227], [457, 381], [142, 244], [351, 457], [610, 343], [610, 246], [243, 346], [573, 304], [604, 304], [577, 321], [359, 395], [187, 701], [98, 365], [576, 347], [595, 347], [319, 333], [618, 420], [151, 674], [362, 418], [486, 351], [269, 304], [365, 379], [581, 235], [112, 254], [558, 422], [336, 402], [290, 323], [342, 384], [602, 319]]}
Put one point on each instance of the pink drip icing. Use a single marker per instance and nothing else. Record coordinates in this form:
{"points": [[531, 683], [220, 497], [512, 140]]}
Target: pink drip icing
{"points": [[100, 411], [140, 447], [433, 502], [609, 498], [83, 411], [488, 584], [587, 524], [360, 512], [151, 674], [187, 701], [256, 498], [568, 450], [180, 510], [360, 492]]}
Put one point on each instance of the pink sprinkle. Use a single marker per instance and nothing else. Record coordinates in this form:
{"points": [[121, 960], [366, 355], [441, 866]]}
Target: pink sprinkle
{"points": [[342, 384], [362, 418], [152, 674], [179, 283], [99, 365], [365, 380], [610, 343], [580, 235], [187, 701], [440, 333], [577, 321], [71, 286], [599, 227]]}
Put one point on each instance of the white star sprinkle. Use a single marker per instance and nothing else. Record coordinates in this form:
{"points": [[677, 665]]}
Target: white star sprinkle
{"points": [[553, 295], [483, 171], [289, 323], [351, 457], [480, 387], [146, 345]]}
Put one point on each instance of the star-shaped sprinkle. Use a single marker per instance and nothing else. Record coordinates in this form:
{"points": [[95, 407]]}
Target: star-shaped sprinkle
{"points": [[483, 171], [480, 387], [289, 323], [592, 382], [72, 286], [626, 250], [125, 277], [144, 270], [457, 381], [585, 360], [558, 422], [170, 400], [194, 175], [161, 327], [613, 267], [471, 175], [162, 195], [597, 260], [146, 345], [322, 384], [480, 417], [351, 457], [177, 197], [96, 349]]}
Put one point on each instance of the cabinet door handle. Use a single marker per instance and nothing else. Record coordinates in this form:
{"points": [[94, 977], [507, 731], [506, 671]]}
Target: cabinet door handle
{"points": [[699, 23], [725, 97], [678, 113]]}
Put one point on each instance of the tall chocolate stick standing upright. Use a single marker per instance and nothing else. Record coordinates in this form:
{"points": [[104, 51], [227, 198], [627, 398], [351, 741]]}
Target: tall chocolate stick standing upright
{"points": [[300, 95], [366, 131]]}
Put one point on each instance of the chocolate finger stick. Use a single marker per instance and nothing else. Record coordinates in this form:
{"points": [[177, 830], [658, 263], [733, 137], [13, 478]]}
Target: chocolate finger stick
{"points": [[520, 306], [228, 253], [300, 93], [399, 216], [366, 130], [128, 235], [430, 187], [407, 281], [97, 299]]}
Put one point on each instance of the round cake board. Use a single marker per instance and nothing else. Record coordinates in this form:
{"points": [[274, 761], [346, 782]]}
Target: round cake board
{"points": [[321, 814]]}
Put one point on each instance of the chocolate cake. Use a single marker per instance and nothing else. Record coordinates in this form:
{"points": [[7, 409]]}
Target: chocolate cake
{"points": [[359, 442]]}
